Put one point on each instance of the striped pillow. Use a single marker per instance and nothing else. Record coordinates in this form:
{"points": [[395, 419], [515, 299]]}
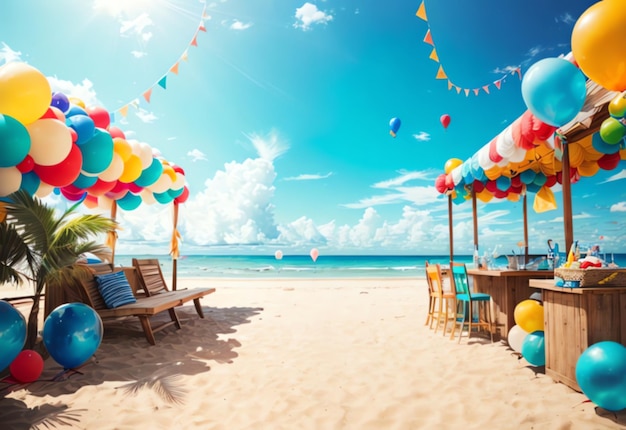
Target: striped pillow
{"points": [[115, 289]]}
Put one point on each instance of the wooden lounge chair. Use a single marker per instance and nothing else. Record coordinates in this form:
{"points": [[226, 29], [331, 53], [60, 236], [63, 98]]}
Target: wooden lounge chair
{"points": [[153, 283]]}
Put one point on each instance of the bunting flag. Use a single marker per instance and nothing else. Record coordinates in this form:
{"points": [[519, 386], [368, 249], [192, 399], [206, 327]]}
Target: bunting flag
{"points": [[162, 81], [441, 73]]}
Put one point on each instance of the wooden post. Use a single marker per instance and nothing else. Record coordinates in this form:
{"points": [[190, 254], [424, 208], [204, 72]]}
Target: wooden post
{"points": [[525, 206], [451, 227], [568, 221], [174, 247], [112, 235], [475, 219]]}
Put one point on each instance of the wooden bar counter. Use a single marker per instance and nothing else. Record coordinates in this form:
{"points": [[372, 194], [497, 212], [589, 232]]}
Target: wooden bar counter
{"points": [[507, 288], [576, 318]]}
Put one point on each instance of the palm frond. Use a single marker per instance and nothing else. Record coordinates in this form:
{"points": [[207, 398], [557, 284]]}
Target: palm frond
{"points": [[168, 387]]}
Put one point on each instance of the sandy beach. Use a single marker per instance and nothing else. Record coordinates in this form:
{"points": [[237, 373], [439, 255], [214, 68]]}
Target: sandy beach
{"points": [[300, 354]]}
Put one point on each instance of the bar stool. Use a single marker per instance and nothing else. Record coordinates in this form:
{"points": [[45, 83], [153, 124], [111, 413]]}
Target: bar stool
{"points": [[477, 305], [438, 296]]}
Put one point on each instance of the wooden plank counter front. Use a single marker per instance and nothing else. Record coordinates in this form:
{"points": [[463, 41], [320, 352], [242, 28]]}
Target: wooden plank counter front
{"points": [[576, 318], [507, 288]]}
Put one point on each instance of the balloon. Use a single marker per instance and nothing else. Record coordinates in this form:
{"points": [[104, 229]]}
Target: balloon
{"points": [[14, 141], [10, 180], [528, 315], [30, 183], [132, 169], [116, 132], [598, 44], [129, 202], [516, 338], [554, 90], [27, 366], [84, 181], [60, 101], [97, 152], [601, 374], [617, 106], [115, 169], [83, 126], [151, 174], [12, 333], [452, 164], [612, 131], [26, 165], [24, 92], [72, 333], [101, 187], [278, 255], [445, 120], [533, 348], [609, 161], [100, 116], [51, 141], [163, 198], [63, 173], [394, 126], [314, 254], [183, 196]]}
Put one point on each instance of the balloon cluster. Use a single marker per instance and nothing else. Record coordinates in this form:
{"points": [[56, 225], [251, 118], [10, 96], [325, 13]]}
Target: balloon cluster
{"points": [[52, 142], [527, 335], [613, 129]]}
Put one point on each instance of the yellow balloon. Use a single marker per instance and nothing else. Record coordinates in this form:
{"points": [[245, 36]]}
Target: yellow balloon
{"points": [[528, 315], [484, 196], [122, 148], [76, 101], [598, 44], [452, 164], [24, 92], [169, 171], [132, 169], [576, 155], [588, 168]]}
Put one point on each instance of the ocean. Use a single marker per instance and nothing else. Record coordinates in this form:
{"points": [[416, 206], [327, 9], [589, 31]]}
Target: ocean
{"points": [[302, 266]]}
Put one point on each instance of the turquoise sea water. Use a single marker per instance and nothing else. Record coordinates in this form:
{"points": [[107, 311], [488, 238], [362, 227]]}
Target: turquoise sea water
{"points": [[301, 266]]}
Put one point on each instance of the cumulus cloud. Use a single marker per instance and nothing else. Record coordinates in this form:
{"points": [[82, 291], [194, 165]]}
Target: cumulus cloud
{"points": [[308, 15], [7, 54], [145, 116], [196, 155], [138, 54], [238, 25], [83, 91], [422, 136], [137, 26], [309, 177], [618, 207]]}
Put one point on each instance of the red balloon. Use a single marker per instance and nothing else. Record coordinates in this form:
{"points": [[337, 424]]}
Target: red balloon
{"points": [[178, 169], [491, 186], [440, 183], [609, 161], [100, 116], [183, 197], [64, 173], [134, 188], [101, 187], [26, 165], [116, 132], [73, 197], [445, 120], [478, 186], [73, 134], [27, 366], [550, 181]]}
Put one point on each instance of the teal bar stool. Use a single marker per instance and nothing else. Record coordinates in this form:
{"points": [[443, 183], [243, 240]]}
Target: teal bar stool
{"points": [[472, 309]]}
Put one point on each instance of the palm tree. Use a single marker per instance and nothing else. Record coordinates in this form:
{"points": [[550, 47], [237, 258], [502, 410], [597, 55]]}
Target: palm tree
{"points": [[39, 245]]}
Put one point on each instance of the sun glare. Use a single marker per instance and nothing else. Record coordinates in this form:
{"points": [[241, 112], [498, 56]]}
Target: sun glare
{"points": [[120, 8]]}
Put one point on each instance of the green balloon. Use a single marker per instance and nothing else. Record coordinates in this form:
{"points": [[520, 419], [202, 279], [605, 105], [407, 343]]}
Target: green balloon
{"points": [[612, 131], [14, 141]]}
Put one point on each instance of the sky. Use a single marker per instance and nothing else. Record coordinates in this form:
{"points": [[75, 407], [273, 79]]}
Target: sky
{"points": [[279, 115]]}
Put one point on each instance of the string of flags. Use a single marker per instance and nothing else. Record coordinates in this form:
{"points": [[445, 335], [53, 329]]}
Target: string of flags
{"points": [[146, 95], [441, 74]]}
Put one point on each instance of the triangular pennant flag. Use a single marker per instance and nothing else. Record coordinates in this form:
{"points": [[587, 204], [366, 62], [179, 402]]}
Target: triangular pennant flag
{"points": [[466, 92], [194, 42], [112, 116], [486, 88], [163, 82], [441, 74], [476, 90], [202, 27], [498, 84], [174, 69], [519, 72], [185, 56], [135, 103], [421, 12], [450, 85], [434, 56], [428, 38], [147, 94], [124, 110], [458, 90]]}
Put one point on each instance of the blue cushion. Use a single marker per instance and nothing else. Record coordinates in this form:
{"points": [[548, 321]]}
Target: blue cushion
{"points": [[480, 296], [115, 289]]}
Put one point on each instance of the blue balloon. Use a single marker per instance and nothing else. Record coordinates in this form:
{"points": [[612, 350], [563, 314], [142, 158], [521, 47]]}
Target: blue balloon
{"points": [[84, 127], [503, 183], [394, 126], [554, 90], [12, 333], [60, 101], [533, 348], [74, 110], [601, 146], [30, 182], [72, 333], [601, 374]]}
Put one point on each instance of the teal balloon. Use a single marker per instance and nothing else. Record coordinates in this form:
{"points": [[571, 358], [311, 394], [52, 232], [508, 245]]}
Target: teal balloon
{"points": [[601, 374], [503, 183], [150, 174], [14, 141], [163, 198], [30, 182], [97, 152], [72, 334], [601, 146], [83, 181], [533, 348], [540, 179], [129, 202], [12, 333], [554, 90], [527, 176], [175, 193]]}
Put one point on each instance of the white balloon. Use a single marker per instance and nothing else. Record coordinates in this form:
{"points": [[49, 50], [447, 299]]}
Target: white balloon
{"points": [[516, 338], [51, 141], [10, 180], [115, 169]]}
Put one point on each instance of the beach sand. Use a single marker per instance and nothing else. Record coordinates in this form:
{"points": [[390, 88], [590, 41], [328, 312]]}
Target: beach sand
{"points": [[300, 354]]}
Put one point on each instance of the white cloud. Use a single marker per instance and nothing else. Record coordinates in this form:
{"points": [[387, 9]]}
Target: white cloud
{"points": [[308, 14], [402, 179], [618, 207], [7, 54], [308, 177], [270, 147], [137, 26], [422, 136], [196, 155], [616, 177], [145, 116], [565, 18], [138, 54], [238, 25], [83, 91]]}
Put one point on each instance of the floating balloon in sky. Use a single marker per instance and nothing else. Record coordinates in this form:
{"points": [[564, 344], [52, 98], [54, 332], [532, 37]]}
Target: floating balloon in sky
{"points": [[394, 126], [278, 255], [445, 120], [314, 254]]}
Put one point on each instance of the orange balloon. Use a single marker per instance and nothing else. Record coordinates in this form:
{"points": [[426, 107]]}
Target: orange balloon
{"points": [[132, 169], [452, 164], [598, 44]]}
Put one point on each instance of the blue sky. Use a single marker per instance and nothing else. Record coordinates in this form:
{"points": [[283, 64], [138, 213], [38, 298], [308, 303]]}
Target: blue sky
{"points": [[280, 115]]}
